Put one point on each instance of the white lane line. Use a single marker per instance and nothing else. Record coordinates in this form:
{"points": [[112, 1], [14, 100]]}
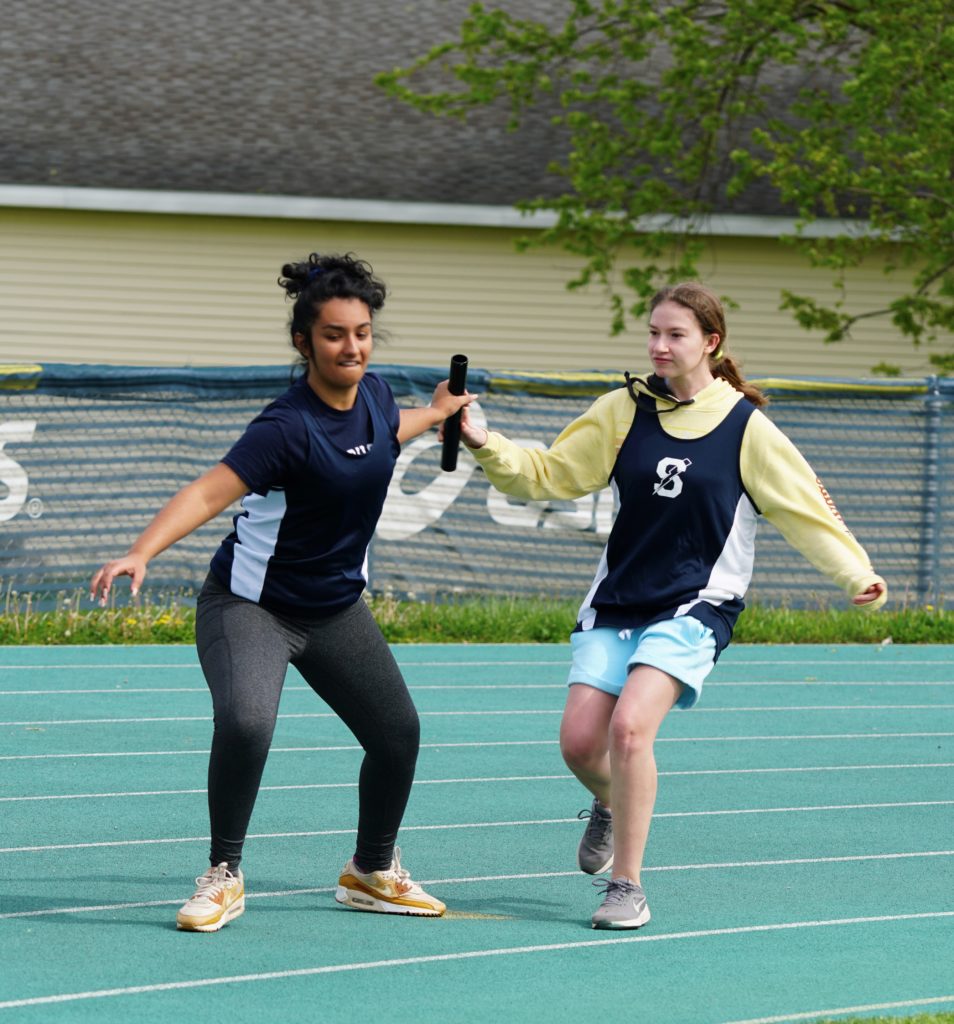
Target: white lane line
{"points": [[501, 743], [309, 834], [728, 684], [498, 778], [297, 786], [303, 972], [808, 768], [809, 808], [523, 876], [302, 714], [456, 826], [743, 662], [515, 712], [483, 713], [274, 750], [826, 707], [115, 690], [141, 792], [739, 663], [139, 721], [122, 690], [130, 666], [830, 683], [806, 736], [194, 665], [905, 1004], [504, 778]]}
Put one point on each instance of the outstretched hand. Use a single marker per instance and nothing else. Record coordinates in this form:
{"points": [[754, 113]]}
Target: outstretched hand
{"points": [[472, 436], [416, 421], [129, 565], [871, 594]]}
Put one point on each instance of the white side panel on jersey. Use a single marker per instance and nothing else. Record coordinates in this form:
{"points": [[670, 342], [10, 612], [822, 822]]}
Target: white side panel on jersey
{"points": [[257, 537], [587, 614], [732, 571]]}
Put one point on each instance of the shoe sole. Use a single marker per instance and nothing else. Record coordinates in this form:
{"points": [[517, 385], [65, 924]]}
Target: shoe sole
{"points": [[634, 922], [356, 899], [596, 871], [234, 911]]}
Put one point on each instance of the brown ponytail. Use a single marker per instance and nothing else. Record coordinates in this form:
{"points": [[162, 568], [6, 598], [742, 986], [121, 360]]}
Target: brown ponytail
{"points": [[707, 309], [725, 368]]}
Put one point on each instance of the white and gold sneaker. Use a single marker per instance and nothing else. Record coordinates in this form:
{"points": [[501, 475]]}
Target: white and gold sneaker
{"points": [[218, 899], [386, 892]]}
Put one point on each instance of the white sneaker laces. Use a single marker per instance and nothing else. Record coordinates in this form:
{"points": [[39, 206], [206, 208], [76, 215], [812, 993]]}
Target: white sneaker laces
{"points": [[401, 875], [617, 890], [213, 881], [598, 826]]}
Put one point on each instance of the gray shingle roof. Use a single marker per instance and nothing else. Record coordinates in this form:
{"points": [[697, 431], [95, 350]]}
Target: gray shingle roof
{"points": [[253, 97]]}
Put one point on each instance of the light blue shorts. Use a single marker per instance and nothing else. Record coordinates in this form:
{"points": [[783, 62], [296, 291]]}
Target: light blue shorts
{"points": [[683, 648]]}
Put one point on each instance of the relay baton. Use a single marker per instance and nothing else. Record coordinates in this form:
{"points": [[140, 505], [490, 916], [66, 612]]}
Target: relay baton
{"points": [[456, 385]]}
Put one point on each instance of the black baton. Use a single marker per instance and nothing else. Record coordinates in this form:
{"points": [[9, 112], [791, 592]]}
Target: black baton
{"points": [[456, 385]]}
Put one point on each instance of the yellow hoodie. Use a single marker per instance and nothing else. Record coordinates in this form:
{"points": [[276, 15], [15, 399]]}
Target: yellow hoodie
{"points": [[776, 476]]}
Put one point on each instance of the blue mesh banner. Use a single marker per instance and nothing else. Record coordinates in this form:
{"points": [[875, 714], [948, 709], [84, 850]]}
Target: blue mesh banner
{"points": [[89, 453]]}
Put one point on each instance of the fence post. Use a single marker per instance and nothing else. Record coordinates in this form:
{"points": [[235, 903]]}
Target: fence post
{"points": [[929, 585]]}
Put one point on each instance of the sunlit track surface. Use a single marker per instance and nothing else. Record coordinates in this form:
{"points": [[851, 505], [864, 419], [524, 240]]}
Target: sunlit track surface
{"points": [[803, 831]]}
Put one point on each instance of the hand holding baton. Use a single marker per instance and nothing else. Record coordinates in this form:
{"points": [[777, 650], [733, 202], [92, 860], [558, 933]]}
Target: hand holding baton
{"points": [[456, 385]]}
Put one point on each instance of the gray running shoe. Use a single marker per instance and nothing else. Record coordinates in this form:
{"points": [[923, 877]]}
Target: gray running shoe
{"points": [[595, 854], [624, 905]]}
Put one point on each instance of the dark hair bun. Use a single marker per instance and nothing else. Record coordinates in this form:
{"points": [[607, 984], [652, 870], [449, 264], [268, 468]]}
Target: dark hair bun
{"points": [[312, 282]]}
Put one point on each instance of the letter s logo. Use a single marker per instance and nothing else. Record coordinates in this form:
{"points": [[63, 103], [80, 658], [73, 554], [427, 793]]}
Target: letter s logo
{"points": [[670, 473], [12, 475]]}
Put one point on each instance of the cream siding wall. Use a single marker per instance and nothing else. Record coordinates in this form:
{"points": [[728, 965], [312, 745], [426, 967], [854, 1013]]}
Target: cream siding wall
{"points": [[154, 289]]}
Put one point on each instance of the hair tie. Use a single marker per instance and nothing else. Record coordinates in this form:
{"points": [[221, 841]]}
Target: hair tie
{"points": [[718, 354], [313, 273]]}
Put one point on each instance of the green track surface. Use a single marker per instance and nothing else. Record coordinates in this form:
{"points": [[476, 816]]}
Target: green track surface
{"points": [[801, 862]]}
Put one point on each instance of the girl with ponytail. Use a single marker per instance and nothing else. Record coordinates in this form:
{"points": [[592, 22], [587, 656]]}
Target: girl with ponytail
{"points": [[693, 463], [707, 309]]}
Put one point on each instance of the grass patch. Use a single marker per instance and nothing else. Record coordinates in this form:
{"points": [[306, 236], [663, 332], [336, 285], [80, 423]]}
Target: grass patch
{"points": [[163, 621], [166, 619], [924, 625]]}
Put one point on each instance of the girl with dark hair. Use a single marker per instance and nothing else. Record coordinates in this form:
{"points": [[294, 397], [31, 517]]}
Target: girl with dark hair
{"points": [[692, 463], [284, 587]]}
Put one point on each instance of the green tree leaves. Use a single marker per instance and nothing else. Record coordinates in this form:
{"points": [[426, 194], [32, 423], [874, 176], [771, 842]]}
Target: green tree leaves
{"points": [[843, 109]]}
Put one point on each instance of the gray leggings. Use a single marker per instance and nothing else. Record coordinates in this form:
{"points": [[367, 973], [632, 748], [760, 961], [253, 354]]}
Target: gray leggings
{"points": [[245, 652]]}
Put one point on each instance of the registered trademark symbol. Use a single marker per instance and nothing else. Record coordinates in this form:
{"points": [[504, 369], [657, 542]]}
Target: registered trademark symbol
{"points": [[34, 508]]}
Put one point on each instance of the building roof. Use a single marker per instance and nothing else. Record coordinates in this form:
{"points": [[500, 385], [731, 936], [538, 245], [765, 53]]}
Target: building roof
{"points": [[248, 97], [258, 99]]}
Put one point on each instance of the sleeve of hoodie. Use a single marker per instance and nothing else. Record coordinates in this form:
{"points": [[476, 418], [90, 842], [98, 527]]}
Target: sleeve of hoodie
{"points": [[578, 462], [792, 498]]}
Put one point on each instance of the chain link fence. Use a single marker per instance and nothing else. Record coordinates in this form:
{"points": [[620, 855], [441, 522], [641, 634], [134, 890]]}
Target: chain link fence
{"points": [[88, 454]]}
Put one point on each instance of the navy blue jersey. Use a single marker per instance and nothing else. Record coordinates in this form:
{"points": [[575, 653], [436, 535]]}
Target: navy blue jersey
{"points": [[317, 480], [684, 539]]}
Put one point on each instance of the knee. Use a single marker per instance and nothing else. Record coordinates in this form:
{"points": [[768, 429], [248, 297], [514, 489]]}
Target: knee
{"points": [[244, 732], [581, 750], [629, 736], [398, 742], [407, 734]]}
